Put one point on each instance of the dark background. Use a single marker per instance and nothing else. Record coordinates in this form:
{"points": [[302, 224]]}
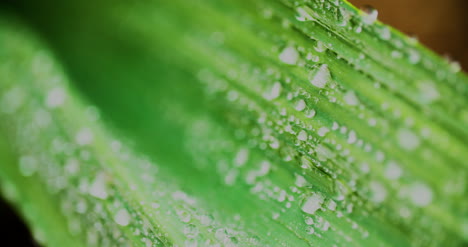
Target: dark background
{"points": [[442, 25]]}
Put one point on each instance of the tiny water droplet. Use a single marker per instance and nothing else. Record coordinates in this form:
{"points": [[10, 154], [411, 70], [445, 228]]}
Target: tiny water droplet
{"points": [[122, 217]]}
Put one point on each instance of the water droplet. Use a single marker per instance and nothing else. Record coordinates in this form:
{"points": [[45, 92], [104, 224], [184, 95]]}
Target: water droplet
{"points": [[302, 14], [300, 105], [393, 170], [289, 55], [55, 97], [98, 187], [310, 113], [12, 100], [84, 137], [320, 46], [231, 177], [191, 231], [27, 165], [274, 92], [241, 157], [264, 168], [42, 118], [323, 131], [310, 230], [274, 143], [352, 138], [312, 203], [420, 194], [184, 216], [358, 29], [312, 57], [370, 15], [378, 192], [324, 153], [428, 91], [309, 221], [414, 56], [122, 217], [350, 98], [300, 181], [320, 76], [385, 33], [331, 205], [302, 136], [407, 139]]}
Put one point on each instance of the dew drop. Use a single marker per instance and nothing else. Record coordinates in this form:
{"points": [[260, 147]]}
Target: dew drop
{"points": [[352, 138], [302, 15], [393, 170], [310, 230], [378, 192], [370, 15], [320, 76], [300, 105], [420, 194], [191, 231], [331, 205], [55, 97], [84, 137], [241, 157], [98, 187], [309, 221], [122, 217], [289, 55], [300, 181], [27, 165], [302, 136], [414, 56], [385, 33], [320, 46], [274, 92], [323, 131], [351, 99], [407, 139], [310, 113], [428, 92], [12, 100], [312, 203]]}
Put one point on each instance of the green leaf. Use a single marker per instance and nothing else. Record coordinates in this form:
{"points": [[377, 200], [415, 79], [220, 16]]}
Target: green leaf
{"points": [[229, 123]]}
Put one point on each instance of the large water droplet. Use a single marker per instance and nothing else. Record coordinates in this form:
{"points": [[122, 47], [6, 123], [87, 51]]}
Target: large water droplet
{"points": [[312, 203]]}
